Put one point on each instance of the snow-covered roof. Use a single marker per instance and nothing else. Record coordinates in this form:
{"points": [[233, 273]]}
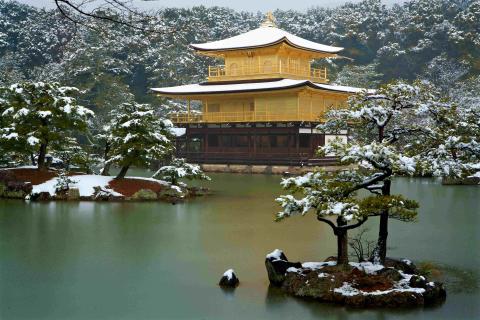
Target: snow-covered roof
{"points": [[206, 88], [263, 37]]}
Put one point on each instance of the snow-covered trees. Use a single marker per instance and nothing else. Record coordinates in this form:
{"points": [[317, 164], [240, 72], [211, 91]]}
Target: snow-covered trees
{"points": [[402, 129], [450, 145], [179, 169], [38, 115], [137, 136], [110, 63]]}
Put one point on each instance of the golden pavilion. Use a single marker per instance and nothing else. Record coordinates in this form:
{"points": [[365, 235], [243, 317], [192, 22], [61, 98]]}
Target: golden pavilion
{"points": [[261, 106]]}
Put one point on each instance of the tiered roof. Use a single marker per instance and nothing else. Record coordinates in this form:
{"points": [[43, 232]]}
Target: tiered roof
{"points": [[206, 88], [264, 36]]}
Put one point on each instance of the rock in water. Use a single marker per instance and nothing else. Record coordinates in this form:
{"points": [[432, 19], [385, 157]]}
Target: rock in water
{"points": [[145, 194], [73, 194], [277, 264], [229, 279]]}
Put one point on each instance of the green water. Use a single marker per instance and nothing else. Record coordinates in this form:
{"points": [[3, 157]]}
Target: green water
{"points": [[161, 261]]}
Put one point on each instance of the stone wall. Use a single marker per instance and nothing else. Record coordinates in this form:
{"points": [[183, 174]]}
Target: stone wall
{"points": [[263, 169]]}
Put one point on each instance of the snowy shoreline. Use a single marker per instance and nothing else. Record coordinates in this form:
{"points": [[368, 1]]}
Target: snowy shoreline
{"points": [[88, 187]]}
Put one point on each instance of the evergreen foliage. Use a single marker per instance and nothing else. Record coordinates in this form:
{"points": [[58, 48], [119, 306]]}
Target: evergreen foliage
{"points": [[179, 169], [402, 129], [113, 64], [38, 116], [138, 136], [63, 181]]}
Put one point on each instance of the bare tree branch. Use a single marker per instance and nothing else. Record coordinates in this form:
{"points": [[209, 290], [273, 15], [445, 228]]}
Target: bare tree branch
{"points": [[111, 11]]}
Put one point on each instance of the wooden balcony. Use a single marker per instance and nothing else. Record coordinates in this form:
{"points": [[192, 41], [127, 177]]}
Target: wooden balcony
{"points": [[223, 73], [229, 117]]}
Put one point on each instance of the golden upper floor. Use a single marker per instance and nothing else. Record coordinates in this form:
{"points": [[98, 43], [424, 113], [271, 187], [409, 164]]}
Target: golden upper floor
{"points": [[295, 105]]}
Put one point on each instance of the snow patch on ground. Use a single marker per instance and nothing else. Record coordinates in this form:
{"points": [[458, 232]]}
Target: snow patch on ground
{"points": [[84, 183], [367, 267], [318, 265], [347, 290]]}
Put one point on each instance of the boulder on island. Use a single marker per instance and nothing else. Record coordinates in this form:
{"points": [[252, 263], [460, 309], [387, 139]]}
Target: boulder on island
{"points": [[277, 264], [229, 279]]}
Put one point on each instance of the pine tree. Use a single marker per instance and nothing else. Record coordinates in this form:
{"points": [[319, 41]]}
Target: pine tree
{"points": [[335, 195], [138, 136], [179, 169], [38, 115]]}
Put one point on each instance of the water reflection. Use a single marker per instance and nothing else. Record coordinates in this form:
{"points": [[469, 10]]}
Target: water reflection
{"points": [[152, 260]]}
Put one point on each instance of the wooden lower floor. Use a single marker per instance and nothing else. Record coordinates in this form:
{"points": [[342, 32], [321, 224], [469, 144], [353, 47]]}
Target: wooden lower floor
{"points": [[262, 144]]}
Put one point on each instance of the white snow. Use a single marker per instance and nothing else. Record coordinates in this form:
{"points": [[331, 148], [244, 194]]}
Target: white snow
{"points": [[318, 265], [264, 36], [10, 136], [229, 274], [475, 175], [367, 267], [20, 167], [347, 290], [44, 114], [178, 132], [275, 254], [84, 183], [32, 141], [163, 183], [258, 86], [408, 262]]}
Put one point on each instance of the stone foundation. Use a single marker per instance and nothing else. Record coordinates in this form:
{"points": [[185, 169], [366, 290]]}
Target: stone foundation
{"points": [[263, 169]]}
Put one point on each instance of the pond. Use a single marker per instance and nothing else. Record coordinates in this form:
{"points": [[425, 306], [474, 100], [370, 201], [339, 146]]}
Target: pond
{"points": [[160, 261]]}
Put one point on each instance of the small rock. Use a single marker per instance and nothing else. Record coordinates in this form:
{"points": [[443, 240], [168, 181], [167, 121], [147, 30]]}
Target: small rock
{"points": [[277, 264], [73, 194], [435, 293], [404, 265], [229, 279], [145, 194], [461, 181], [417, 282], [15, 189], [104, 194], [390, 273], [41, 196]]}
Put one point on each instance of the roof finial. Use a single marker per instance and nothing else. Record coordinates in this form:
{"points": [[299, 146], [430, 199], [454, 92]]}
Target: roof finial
{"points": [[269, 20]]}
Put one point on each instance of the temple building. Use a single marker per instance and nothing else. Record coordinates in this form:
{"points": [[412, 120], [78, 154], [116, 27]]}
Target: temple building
{"points": [[261, 106]]}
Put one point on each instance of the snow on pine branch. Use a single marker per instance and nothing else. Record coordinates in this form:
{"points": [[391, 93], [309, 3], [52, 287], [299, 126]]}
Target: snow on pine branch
{"points": [[375, 155], [180, 169]]}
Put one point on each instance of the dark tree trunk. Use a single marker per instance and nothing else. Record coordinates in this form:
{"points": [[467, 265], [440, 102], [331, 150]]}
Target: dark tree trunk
{"points": [[106, 157], [41, 157], [342, 242], [383, 229], [105, 170], [380, 134], [122, 172]]}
